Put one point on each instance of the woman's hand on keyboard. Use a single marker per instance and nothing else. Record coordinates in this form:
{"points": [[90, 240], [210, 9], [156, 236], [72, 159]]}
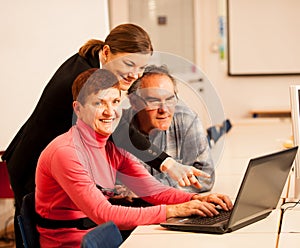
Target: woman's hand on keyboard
{"points": [[217, 199], [193, 207]]}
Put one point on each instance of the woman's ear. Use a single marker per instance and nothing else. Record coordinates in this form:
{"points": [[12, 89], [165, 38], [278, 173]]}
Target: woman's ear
{"points": [[77, 107], [105, 53]]}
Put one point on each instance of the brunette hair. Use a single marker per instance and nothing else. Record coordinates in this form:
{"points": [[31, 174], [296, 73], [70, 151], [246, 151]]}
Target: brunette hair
{"points": [[125, 38], [91, 81]]}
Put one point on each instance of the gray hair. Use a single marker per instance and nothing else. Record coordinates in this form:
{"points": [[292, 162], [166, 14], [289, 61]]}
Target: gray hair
{"points": [[152, 70]]}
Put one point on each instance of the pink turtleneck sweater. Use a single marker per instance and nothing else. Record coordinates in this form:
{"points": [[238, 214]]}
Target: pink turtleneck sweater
{"points": [[67, 173]]}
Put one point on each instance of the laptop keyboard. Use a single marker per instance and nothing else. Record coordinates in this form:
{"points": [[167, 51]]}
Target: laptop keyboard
{"points": [[224, 215]]}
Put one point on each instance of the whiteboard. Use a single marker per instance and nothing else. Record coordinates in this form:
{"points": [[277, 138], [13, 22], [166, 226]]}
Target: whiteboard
{"points": [[263, 37]]}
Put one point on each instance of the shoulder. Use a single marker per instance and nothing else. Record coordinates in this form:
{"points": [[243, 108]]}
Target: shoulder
{"points": [[74, 65], [127, 114], [185, 114], [126, 119], [186, 119], [118, 155], [60, 145], [114, 151]]}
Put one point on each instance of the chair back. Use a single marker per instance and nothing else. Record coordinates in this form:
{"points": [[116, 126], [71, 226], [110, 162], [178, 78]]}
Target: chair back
{"points": [[27, 222], [214, 133], [106, 235], [6, 191]]}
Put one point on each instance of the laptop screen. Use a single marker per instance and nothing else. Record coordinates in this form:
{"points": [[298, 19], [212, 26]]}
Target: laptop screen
{"points": [[262, 185]]}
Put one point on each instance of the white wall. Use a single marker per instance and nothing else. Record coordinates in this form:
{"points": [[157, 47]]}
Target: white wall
{"points": [[36, 37], [176, 34], [238, 94]]}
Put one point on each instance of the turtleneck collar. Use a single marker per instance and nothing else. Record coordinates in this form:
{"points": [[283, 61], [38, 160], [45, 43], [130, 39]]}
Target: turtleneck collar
{"points": [[90, 136]]}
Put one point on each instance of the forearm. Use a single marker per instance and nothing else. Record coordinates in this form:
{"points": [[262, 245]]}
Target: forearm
{"points": [[169, 196]]}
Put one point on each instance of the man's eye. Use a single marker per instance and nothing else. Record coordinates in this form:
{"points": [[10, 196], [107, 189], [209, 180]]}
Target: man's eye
{"points": [[171, 99], [117, 101], [152, 100]]}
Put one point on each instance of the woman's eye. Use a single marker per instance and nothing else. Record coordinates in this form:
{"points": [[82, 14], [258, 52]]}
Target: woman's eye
{"points": [[117, 101], [128, 64], [98, 103]]}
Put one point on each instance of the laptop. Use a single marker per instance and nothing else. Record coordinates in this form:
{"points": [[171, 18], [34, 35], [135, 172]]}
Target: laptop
{"points": [[259, 194]]}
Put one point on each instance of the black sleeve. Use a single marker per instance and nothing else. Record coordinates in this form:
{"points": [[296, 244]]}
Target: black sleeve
{"points": [[129, 138], [10, 149]]}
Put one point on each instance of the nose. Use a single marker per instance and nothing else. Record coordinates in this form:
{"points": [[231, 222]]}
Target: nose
{"points": [[136, 72], [140, 74], [109, 110], [134, 75], [163, 107]]}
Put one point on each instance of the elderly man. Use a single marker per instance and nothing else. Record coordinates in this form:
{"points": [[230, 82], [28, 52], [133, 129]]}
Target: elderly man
{"points": [[168, 124]]}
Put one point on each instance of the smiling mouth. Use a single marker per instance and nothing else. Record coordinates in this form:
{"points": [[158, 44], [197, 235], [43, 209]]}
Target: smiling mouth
{"points": [[126, 80], [163, 118], [107, 120]]}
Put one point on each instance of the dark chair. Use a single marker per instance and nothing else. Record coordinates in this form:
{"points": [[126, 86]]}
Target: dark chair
{"points": [[6, 191], [27, 222], [214, 133], [106, 235]]}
